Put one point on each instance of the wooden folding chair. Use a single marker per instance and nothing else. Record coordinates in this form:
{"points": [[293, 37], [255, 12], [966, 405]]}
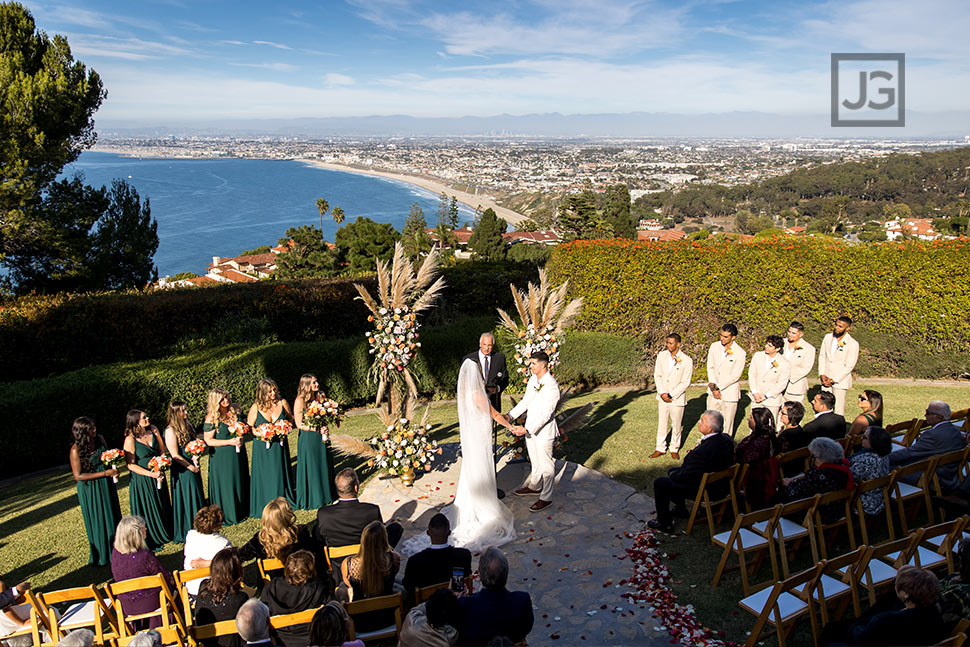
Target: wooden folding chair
{"points": [[794, 462], [786, 530], [201, 633], [339, 552], [742, 540], [884, 485], [875, 572], [181, 578], [425, 592], [919, 494], [937, 545], [383, 602], [296, 619], [955, 640], [38, 619], [905, 432], [955, 459], [173, 629], [780, 605], [703, 500], [268, 567], [850, 444], [84, 607], [833, 581], [842, 500]]}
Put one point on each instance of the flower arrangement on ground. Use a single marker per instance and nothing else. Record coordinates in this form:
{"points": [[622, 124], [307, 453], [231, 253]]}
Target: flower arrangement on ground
{"points": [[159, 465], [113, 458], [322, 414], [404, 446], [238, 429], [195, 449]]}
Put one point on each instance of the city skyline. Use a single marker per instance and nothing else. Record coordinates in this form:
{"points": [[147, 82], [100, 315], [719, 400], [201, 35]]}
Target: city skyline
{"points": [[175, 62]]}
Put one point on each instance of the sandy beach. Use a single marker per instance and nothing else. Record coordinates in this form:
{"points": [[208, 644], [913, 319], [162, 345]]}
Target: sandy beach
{"points": [[435, 186]]}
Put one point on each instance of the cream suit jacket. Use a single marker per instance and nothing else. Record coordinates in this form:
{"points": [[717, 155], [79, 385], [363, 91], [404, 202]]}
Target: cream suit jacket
{"points": [[673, 380], [725, 370], [801, 362], [838, 363], [768, 381], [539, 403]]}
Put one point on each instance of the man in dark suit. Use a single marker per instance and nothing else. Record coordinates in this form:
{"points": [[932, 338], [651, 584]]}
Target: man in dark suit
{"points": [[252, 623], [9, 596], [341, 523], [491, 364], [436, 564], [495, 611], [714, 453], [942, 437], [826, 422]]}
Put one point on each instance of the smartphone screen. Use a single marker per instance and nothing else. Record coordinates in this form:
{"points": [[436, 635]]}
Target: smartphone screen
{"points": [[457, 580]]}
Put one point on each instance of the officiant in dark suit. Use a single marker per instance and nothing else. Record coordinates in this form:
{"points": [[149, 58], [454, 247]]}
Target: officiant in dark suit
{"points": [[491, 364]]}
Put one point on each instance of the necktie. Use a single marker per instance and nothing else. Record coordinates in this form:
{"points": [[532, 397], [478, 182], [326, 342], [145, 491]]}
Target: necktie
{"points": [[485, 370]]}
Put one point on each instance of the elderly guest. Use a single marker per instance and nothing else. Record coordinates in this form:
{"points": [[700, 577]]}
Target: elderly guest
{"points": [[252, 623], [941, 437], [131, 558], [829, 472], [495, 611]]}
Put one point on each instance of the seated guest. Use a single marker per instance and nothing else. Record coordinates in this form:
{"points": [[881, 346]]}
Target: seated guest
{"points": [[280, 535], [330, 627], [826, 423], [130, 558], [370, 574], [432, 623], [436, 564], [495, 611], [78, 638], [871, 404], [221, 595], [298, 590], [14, 613], [203, 542], [341, 523], [756, 451], [955, 590], [252, 623], [919, 621], [150, 638], [829, 472], [8, 596], [792, 436], [941, 437], [714, 453], [872, 462]]}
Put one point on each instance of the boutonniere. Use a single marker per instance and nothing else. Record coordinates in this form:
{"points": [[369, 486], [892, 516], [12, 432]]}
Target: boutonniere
{"points": [[677, 359], [728, 351], [499, 374], [798, 347], [774, 364], [841, 343], [539, 386]]}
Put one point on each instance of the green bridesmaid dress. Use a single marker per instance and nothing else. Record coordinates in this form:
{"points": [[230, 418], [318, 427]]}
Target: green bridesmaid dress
{"points": [[228, 477], [271, 471], [100, 509], [187, 497], [314, 472], [148, 501]]}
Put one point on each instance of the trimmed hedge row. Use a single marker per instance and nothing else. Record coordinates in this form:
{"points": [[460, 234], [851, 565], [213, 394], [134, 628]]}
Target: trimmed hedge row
{"points": [[910, 301], [35, 432], [47, 335]]}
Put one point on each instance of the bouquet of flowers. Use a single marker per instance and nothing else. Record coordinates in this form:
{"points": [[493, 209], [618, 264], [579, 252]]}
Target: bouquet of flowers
{"points": [[196, 448], [266, 432], [531, 341], [403, 446], [159, 464], [238, 429], [394, 340], [283, 428], [321, 415], [113, 458]]}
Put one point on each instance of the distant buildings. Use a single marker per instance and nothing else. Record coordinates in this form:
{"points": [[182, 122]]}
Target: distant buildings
{"points": [[663, 235], [920, 228], [238, 269]]}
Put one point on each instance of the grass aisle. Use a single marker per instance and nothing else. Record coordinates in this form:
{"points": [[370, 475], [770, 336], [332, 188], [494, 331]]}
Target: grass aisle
{"points": [[42, 534]]}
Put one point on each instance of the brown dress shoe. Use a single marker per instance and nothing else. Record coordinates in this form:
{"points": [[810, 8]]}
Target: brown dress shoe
{"points": [[656, 455], [524, 491], [539, 505], [675, 456]]}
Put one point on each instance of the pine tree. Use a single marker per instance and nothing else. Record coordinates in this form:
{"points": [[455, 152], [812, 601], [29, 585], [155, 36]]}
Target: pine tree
{"points": [[616, 211], [363, 241], [307, 255], [577, 217], [124, 241], [453, 213], [486, 241], [415, 235]]}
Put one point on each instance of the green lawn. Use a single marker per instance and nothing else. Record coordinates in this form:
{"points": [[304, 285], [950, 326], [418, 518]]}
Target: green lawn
{"points": [[42, 535]]}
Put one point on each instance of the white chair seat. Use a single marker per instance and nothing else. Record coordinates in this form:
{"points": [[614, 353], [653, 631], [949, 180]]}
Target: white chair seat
{"points": [[389, 630], [748, 540], [787, 529], [938, 541], [789, 605], [80, 614], [898, 446], [831, 587], [904, 490], [880, 572], [927, 557]]}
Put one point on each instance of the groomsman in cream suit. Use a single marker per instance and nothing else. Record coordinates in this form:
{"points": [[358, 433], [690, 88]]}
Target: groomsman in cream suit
{"points": [[768, 376], [540, 430], [725, 364], [671, 374], [836, 360], [801, 359]]}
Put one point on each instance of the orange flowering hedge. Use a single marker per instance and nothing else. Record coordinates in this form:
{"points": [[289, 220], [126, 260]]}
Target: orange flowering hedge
{"points": [[917, 292]]}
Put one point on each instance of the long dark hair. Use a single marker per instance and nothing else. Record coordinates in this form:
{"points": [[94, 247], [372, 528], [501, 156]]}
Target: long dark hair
{"points": [[225, 575], [764, 426], [131, 422], [81, 431], [329, 626]]}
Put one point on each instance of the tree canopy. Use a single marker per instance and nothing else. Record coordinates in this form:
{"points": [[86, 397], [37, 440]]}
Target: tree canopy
{"points": [[307, 256], [362, 241], [486, 241]]}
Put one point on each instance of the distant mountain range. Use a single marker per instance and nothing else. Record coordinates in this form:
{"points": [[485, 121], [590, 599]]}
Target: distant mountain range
{"points": [[919, 125]]}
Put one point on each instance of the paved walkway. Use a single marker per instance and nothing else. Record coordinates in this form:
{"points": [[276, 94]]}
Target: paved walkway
{"points": [[567, 556]]}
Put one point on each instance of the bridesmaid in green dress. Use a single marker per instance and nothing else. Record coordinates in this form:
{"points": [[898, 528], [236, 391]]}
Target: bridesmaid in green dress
{"points": [[271, 465], [187, 495], [228, 468], [95, 490], [314, 458], [146, 499]]}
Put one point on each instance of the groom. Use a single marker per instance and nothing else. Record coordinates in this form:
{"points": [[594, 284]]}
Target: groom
{"points": [[540, 430]]}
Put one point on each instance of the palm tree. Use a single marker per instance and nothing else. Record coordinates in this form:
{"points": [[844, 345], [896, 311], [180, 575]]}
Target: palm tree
{"points": [[322, 207], [338, 215]]}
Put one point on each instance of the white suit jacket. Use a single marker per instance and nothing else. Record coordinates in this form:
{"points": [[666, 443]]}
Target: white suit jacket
{"points": [[768, 381], [725, 370], [673, 380], [539, 403], [838, 363], [801, 361]]}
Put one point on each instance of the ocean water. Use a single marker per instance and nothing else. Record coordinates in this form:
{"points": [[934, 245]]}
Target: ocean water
{"points": [[207, 208]]}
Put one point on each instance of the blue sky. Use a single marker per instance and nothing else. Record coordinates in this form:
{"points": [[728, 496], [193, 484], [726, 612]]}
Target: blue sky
{"points": [[183, 60]]}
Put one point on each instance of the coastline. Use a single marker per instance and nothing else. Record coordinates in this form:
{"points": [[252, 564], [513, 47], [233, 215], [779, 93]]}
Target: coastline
{"points": [[436, 187]]}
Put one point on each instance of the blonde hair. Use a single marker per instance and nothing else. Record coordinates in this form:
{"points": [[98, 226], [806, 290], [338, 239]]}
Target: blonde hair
{"points": [[130, 535], [372, 559], [212, 406], [278, 534], [264, 391], [304, 390], [175, 417]]}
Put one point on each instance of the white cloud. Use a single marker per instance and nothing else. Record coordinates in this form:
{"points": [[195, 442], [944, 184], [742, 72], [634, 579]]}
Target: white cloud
{"points": [[271, 44], [132, 49], [335, 79], [276, 67]]}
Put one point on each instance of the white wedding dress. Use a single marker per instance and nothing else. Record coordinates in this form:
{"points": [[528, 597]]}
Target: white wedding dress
{"points": [[478, 519]]}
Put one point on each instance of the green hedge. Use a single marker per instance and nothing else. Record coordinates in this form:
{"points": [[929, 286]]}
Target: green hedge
{"points": [[910, 301]]}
